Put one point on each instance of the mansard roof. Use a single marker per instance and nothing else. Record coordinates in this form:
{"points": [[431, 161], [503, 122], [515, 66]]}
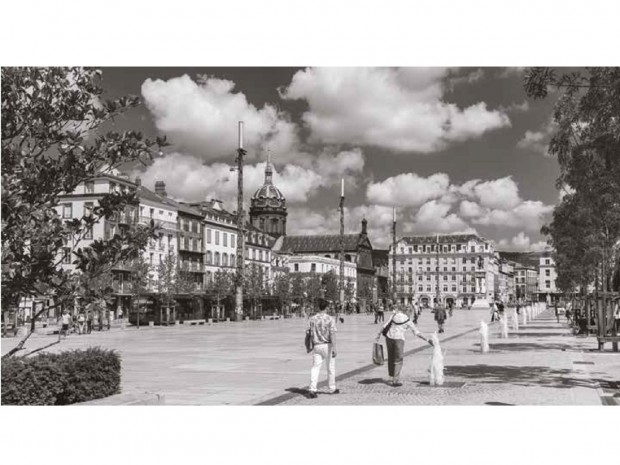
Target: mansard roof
{"points": [[324, 243]]}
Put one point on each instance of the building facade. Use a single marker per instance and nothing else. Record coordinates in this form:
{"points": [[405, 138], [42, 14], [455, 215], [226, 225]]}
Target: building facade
{"points": [[357, 250], [459, 269], [268, 207], [547, 274]]}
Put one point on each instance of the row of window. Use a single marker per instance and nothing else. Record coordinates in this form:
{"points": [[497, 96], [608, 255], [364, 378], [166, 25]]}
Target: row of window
{"points": [[427, 248], [445, 288]]}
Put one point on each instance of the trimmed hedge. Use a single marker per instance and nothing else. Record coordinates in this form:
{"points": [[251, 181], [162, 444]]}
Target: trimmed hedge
{"points": [[61, 379]]}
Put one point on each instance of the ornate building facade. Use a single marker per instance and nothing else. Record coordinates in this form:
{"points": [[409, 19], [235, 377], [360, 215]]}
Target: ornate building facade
{"points": [[268, 207]]}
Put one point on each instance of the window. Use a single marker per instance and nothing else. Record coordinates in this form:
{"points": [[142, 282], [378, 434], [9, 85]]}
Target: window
{"points": [[547, 272], [445, 278], [296, 266], [428, 277], [224, 259], [216, 260], [151, 258], [67, 210], [208, 236], [152, 212], [453, 288], [547, 284], [313, 267], [420, 288], [428, 288], [66, 258], [112, 187], [453, 278], [217, 238], [225, 239], [232, 240], [208, 258], [89, 187]]}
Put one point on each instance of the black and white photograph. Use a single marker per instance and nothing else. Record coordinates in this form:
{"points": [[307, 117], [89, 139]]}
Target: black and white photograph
{"points": [[309, 238]]}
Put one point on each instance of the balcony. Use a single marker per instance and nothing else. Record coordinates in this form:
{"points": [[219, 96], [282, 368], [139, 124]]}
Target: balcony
{"points": [[163, 224], [121, 288]]}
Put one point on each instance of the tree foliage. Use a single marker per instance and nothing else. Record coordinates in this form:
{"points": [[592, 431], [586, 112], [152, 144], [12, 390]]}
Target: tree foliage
{"points": [[52, 142], [586, 141]]}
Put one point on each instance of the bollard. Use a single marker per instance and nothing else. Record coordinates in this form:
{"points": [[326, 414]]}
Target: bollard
{"points": [[484, 337], [504, 324], [436, 375], [515, 321]]}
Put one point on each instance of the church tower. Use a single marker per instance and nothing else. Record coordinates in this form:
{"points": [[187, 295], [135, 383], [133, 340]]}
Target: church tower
{"points": [[268, 206]]}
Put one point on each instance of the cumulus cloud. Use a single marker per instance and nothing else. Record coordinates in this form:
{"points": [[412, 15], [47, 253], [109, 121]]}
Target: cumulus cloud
{"points": [[188, 178], [408, 189], [399, 109], [530, 214], [500, 193], [522, 243], [538, 141], [201, 117]]}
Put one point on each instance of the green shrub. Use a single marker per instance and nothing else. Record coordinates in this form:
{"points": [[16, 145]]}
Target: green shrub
{"points": [[61, 379]]}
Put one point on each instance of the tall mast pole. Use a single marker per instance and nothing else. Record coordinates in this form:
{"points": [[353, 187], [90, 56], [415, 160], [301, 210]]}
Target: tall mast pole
{"points": [[437, 259], [341, 283], [240, 232], [394, 289]]}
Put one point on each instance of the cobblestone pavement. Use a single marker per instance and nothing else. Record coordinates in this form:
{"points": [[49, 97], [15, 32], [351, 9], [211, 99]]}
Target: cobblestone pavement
{"points": [[233, 363], [540, 364]]}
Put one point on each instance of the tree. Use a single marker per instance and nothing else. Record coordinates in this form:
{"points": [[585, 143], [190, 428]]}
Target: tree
{"points": [[254, 285], [586, 142], [329, 281], [314, 288], [282, 288], [141, 283], [221, 286], [168, 282], [52, 140]]}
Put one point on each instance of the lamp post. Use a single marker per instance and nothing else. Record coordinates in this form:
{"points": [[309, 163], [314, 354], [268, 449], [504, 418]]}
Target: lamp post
{"points": [[437, 270], [240, 232], [341, 281], [394, 291]]}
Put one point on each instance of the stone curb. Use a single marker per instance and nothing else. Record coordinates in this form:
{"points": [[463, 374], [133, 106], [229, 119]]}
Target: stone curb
{"points": [[145, 398]]}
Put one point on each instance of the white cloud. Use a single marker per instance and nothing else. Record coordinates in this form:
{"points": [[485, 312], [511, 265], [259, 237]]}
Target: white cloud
{"points": [[408, 189], [517, 107], [187, 177], [522, 243], [500, 193], [529, 214], [469, 209], [434, 216], [202, 118], [538, 141], [400, 109]]}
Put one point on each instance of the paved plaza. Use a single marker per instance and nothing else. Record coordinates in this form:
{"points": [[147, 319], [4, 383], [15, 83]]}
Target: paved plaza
{"points": [[264, 362]]}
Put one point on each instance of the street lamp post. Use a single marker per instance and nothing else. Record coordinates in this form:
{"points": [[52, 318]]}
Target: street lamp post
{"points": [[240, 232], [394, 289], [437, 270], [341, 283]]}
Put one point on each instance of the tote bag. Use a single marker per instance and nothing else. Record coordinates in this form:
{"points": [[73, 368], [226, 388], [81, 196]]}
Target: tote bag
{"points": [[377, 354]]}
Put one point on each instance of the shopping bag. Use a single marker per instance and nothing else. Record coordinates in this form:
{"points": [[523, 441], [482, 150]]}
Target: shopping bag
{"points": [[308, 342], [377, 354]]}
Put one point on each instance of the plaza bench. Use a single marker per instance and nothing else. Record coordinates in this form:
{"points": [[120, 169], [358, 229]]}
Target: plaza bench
{"points": [[194, 322]]}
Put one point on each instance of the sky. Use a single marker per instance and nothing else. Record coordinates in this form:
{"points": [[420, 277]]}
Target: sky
{"points": [[454, 150]]}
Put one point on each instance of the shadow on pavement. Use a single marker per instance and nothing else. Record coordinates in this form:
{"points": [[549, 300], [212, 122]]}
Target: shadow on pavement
{"points": [[303, 392], [521, 346], [525, 334], [374, 381], [519, 375], [496, 403]]}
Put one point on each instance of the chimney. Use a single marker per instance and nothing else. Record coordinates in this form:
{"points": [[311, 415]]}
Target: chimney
{"points": [[364, 224], [160, 188], [139, 181]]}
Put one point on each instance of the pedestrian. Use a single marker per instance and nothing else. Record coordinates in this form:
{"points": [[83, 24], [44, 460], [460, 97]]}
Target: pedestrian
{"points": [[65, 321], [394, 331], [518, 308], [440, 317], [450, 308], [89, 322], [500, 309], [322, 329], [120, 318], [494, 314], [380, 312], [557, 312], [81, 323], [415, 312]]}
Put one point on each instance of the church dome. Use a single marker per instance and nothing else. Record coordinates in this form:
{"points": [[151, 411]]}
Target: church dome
{"points": [[268, 192]]}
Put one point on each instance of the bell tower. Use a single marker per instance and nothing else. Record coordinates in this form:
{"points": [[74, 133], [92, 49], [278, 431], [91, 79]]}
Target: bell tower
{"points": [[268, 205]]}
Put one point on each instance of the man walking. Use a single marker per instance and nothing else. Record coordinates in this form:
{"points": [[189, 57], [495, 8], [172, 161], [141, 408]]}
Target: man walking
{"points": [[322, 329], [440, 317]]}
